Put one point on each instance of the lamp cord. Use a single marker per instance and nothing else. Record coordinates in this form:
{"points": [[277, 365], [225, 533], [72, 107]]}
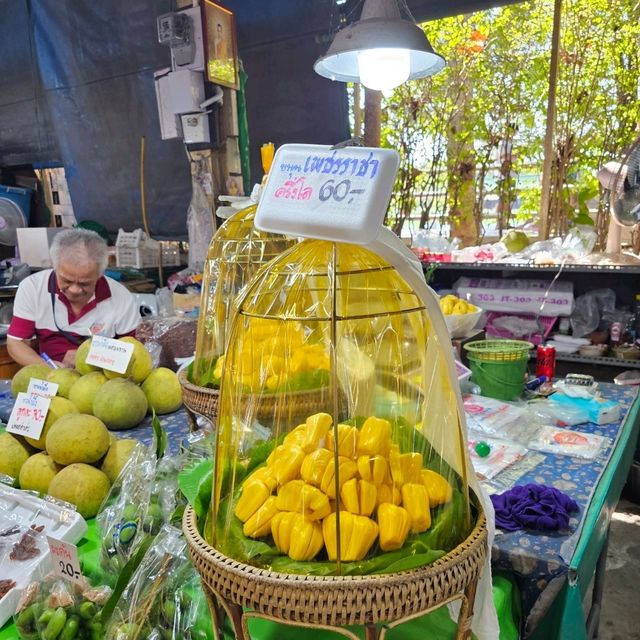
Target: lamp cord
{"points": [[544, 300], [404, 6]]}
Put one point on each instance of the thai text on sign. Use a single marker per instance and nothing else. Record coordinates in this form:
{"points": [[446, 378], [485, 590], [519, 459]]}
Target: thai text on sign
{"points": [[28, 415], [332, 194], [110, 354]]}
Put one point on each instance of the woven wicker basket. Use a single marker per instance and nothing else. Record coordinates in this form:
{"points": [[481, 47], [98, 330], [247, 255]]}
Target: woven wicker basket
{"points": [[200, 400], [338, 601], [292, 405]]}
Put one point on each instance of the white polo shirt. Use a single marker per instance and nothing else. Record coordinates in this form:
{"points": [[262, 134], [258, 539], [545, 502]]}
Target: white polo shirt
{"points": [[111, 312]]}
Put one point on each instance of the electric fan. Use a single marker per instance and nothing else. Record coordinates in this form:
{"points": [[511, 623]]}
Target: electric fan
{"points": [[11, 218], [622, 180]]}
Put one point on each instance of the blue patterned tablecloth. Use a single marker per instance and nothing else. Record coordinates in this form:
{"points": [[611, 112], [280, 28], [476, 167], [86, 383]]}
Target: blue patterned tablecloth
{"points": [[540, 561]]}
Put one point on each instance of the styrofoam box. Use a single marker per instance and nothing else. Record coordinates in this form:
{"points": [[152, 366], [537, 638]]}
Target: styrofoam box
{"points": [[518, 296], [24, 509], [34, 243]]}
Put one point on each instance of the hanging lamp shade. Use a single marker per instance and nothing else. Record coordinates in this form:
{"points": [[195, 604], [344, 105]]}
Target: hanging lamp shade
{"points": [[381, 50]]}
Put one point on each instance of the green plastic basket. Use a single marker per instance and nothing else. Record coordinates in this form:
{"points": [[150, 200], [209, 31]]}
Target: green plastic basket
{"points": [[498, 350]]}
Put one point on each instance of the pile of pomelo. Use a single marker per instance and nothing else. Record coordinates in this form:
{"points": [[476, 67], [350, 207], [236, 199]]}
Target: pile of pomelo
{"points": [[75, 458]]}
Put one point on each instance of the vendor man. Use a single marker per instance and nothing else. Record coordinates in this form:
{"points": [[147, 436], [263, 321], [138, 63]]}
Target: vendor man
{"points": [[63, 306]]}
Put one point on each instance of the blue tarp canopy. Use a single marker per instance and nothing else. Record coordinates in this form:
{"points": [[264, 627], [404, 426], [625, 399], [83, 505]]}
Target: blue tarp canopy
{"points": [[77, 90]]}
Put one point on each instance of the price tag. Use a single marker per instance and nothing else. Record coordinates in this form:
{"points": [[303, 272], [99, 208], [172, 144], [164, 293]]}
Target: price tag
{"points": [[42, 388], [110, 354], [331, 194], [28, 415], [65, 561]]}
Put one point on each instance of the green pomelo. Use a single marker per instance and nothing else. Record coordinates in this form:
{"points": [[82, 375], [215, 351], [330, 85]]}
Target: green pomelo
{"points": [[37, 472], [81, 357], [77, 437], [57, 408], [163, 390], [515, 240], [120, 404], [82, 485], [13, 454], [65, 379], [84, 390], [20, 381], [119, 453], [140, 365]]}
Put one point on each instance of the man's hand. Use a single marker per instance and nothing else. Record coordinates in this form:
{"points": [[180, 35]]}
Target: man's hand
{"points": [[69, 360]]}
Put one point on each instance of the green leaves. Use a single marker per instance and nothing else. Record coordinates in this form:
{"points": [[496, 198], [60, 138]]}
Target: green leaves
{"points": [[159, 436], [497, 94]]}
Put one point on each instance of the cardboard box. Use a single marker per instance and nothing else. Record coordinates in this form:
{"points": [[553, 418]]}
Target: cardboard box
{"points": [[34, 243], [517, 295]]}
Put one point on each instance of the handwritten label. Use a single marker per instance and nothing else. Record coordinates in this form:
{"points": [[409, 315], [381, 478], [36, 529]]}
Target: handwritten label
{"points": [[66, 564], [110, 354], [42, 388], [332, 194], [28, 415]]}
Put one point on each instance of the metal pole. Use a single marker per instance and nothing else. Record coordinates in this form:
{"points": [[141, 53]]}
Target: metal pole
{"points": [[372, 112]]}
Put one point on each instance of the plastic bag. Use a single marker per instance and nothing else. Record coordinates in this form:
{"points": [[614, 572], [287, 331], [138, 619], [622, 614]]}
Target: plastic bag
{"points": [[121, 518], [164, 599], [55, 608], [164, 300], [541, 252], [560, 416], [579, 241], [168, 338], [589, 309], [200, 227]]}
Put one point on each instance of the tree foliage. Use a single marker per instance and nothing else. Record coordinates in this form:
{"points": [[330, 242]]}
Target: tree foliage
{"points": [[474, 131]]}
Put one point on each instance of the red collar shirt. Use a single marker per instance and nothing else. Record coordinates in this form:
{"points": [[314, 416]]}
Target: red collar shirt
{"points": [[111, 312]]}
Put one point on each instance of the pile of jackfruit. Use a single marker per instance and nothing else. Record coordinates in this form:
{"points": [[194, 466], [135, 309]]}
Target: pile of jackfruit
{"points": [[384, 495], [262, 357]]}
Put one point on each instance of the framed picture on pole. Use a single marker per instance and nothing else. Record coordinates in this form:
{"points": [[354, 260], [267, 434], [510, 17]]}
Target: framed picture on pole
{"points": [[220, 49]]}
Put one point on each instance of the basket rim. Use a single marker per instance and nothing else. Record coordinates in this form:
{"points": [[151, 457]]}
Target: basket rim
{"points": [[182, 377], [506, 346], [202, 548]]}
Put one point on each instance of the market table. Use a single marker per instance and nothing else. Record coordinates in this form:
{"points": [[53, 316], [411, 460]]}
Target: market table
{"points": [[554, 571]]}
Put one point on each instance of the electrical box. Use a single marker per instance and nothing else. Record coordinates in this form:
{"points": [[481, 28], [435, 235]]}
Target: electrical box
{"points": [[195, 127], [177, 92], [181, 31], [176, 31]]}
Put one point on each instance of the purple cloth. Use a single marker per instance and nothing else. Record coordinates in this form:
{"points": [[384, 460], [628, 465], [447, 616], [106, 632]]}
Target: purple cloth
{"points": [[533, 506]]}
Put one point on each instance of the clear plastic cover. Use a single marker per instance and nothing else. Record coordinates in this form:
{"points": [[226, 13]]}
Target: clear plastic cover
{"points": [[236, 252], [330, 458]]}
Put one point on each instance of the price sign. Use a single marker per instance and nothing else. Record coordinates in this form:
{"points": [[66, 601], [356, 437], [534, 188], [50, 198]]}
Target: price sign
{"points": [[65, 561], [42, 388], [110, 354], [331, 194], [28, 415]]}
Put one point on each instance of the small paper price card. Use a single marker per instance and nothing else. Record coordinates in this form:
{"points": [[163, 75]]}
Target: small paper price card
{"points": [[42, 388], [331, 194], [110, 354], [65, 561], [28, 415]]}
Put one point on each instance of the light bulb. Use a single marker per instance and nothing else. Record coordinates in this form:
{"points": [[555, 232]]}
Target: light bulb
{"points": [[383, 69]]}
